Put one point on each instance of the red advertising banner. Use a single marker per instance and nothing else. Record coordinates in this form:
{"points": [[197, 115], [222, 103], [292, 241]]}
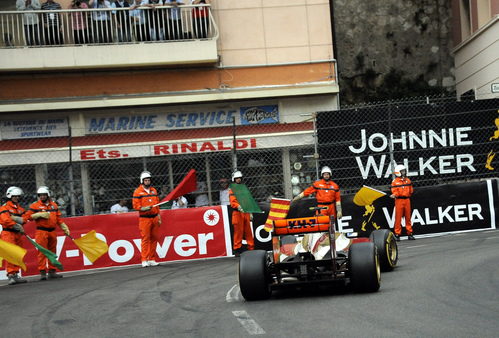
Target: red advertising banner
{"points": [[185, 234]]}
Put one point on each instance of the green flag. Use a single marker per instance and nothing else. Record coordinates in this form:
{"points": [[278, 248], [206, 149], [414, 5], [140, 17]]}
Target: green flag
{"points": [[49, 254], [245, 199]]}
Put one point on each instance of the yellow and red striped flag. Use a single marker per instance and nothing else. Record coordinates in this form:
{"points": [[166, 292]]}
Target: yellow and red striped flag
{"points": [[279, 208]]}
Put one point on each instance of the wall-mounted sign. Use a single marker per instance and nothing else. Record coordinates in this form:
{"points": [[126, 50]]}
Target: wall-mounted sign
{"points": [[433, 141], [172, 147], [33, 128], [137, 122], [259, 114]]}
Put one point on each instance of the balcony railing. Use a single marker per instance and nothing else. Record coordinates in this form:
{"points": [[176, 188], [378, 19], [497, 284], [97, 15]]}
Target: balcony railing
{"points": [[74, 27]]}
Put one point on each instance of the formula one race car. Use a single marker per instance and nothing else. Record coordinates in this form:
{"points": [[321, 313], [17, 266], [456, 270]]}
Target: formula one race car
{"points": [[309, 251]]}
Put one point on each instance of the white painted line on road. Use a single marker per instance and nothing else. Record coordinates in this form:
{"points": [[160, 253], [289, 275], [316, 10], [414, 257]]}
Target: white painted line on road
{"points": [[415, 246], [248, 323], [232, 294]]}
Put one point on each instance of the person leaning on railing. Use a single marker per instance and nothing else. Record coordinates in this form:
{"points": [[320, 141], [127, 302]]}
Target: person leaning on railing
{"points": [[31, 28], [201, 16], [156, 20], [174, 27], [79, 22], [101, 21], [122, 21], [139, 19], [51, 23]]}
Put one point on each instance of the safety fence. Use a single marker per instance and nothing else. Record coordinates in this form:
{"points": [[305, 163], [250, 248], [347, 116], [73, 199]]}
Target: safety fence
{"points": [[90, 168], [91, 26]]}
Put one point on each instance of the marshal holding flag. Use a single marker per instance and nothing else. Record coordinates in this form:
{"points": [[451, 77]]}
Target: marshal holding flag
{"points": [[244, 205]]}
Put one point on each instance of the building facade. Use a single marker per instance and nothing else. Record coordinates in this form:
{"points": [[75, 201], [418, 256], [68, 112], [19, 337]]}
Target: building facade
{"points": [[239, 91], [476, 42]]}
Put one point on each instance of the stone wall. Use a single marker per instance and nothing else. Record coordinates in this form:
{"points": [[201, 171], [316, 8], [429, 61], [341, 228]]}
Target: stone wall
{"points": [[391, 48]]}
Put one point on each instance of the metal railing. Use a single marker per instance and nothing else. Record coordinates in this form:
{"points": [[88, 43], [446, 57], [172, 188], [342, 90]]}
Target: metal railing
{"points": [[70, 27]]}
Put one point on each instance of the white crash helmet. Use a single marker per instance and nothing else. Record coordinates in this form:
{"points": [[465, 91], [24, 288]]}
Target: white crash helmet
{"points": [[398, 169], [236, 174], [144, 174], [326, 170], [13, 191], [43, 190]]}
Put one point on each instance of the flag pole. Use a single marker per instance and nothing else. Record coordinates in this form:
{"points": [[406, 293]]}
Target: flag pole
{"points": [[234, 143], [160, 203]]}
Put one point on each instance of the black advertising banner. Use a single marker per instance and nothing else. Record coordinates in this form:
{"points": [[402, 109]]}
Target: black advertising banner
{"points": [[440, 209], [438, 142]]}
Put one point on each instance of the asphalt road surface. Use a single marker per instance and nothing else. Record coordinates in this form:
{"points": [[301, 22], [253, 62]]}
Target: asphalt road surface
{"points": [[443, 287]]}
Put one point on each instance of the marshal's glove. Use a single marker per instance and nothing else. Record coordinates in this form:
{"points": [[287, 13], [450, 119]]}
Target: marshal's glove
{"points": [[251, 217], [41, 214], [18, 227], [17, 219], [339, 211], [240, 209], [146, 208], [65, 228], [298, 197]]}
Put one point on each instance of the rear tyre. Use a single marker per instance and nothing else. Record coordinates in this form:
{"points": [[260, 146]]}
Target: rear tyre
{"points": [[385, 243], [364, 267], [254, 275]]}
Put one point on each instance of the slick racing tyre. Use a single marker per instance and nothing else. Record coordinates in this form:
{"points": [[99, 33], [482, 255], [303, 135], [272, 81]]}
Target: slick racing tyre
{"points": [[254, 275], [364, 267], [385, 243]]}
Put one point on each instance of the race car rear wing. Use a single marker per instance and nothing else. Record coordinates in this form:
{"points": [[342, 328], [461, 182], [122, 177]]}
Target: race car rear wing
{"points": [[301, 225]]}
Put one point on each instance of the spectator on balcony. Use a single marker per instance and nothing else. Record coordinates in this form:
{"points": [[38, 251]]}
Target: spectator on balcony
{"points": [[101, 21], [51, 23], [201, 17], [31, 28], [174, 27], [122, 21], [139, 19], [79, 22], [157, 19]]}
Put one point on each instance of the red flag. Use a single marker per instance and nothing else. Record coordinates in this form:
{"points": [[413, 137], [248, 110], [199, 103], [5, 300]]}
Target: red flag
{"points": [[188, 184]]}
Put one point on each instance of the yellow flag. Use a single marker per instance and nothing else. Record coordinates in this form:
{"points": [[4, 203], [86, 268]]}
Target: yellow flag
{"points": [[12, 253], [366, 196], [91, 246]]}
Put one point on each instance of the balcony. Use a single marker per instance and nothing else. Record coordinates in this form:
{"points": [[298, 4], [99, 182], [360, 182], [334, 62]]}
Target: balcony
{"points": [[75, 39]]}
